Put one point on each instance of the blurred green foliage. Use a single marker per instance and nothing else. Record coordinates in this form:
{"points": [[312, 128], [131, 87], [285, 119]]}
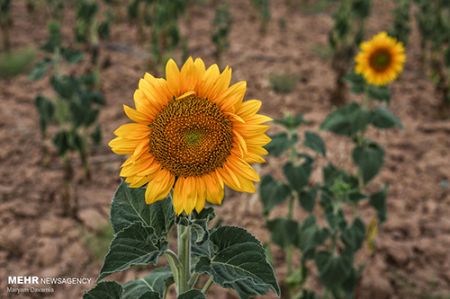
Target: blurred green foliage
{"points": [[401, 27], [221, 29], [283, 83], [16, 62], [344, 38], [433, 19], [263, 8]]}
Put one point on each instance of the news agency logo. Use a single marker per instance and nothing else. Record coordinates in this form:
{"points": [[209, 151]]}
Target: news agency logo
{"points": [[23, 280], [17, 280], [27, 284]]}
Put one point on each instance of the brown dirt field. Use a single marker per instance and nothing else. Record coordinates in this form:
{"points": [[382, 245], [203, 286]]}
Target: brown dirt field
{"points": [[413, 255]]}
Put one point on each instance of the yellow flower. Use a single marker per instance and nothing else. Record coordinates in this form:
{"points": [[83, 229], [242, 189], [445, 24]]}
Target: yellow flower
{"points": [[380, 59], [194, 133]]}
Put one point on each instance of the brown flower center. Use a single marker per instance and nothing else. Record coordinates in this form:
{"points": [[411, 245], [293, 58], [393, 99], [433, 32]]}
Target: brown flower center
{"points": [[191, 137], [380, 60]]}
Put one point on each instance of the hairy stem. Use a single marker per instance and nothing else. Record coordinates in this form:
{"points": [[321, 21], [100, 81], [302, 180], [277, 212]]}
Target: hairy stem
{"points": [[184, 255]]}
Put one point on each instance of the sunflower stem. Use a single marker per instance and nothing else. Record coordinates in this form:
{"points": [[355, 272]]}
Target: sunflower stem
{"points": [[184, 255]]}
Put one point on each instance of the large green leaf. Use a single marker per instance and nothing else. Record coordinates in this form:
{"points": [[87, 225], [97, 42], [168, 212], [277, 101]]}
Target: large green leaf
{"points": [[128, 206], [156, 282], [307, 199], [105, 290], [239, 262], [380, 93], [283, 231], [310, 235], [353, 236], [192, 294], [134, 245], [347, 120], [333, 270], [280, 143], [272, 193], [298, 176], [378, 201], [315, 142], [369, 158], [384, 119]]}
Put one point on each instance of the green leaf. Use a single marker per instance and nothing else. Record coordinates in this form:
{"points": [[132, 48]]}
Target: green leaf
{"points": [[239, 262], [310, 236], [272, 193], [384, 119], [128, 206], [298, 176], [282, 231], [315, 142], [192, 294], [105, 290], [39, 69], [46, 111], [71, 56], [357, 82], [347, 120], [369, 158], [333, 270], [331, 174], [380, 93], [279, 144], [378, 201], [62, 143], [291, 121], [307, 199], [156, 282], [353, 236], [134, 245]]}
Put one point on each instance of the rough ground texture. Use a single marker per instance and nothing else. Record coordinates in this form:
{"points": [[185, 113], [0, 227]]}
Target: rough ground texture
{"points": [[412, 259]]}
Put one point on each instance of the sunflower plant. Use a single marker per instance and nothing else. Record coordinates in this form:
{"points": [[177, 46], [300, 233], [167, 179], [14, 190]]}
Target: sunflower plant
{"points": [[89, 31], [348, 31], [263, 9], [434, 27], [69, 116], [191, 135], [162, 18], [330, 246], [221, 30]]}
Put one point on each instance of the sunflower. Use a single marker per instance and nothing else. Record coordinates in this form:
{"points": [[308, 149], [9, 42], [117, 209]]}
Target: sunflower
{"points": [[380, 59], [191, 133]]}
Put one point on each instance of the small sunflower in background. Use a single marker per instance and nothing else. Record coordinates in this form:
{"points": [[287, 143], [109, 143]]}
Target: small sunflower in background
{"points": [[380, 59], [194, 133]]}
